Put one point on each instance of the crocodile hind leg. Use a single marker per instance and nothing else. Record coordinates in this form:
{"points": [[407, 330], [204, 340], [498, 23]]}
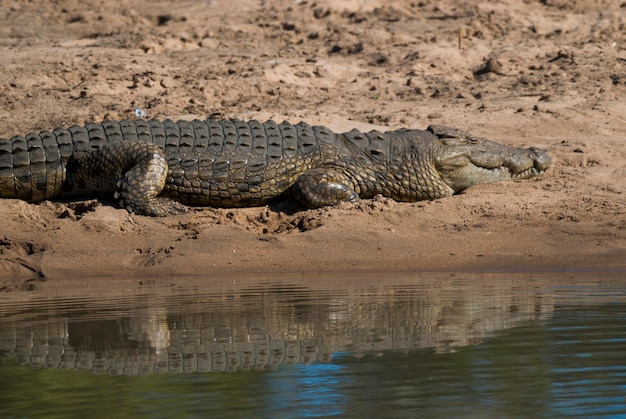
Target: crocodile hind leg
{"points": [[321, 187], [132, 172]]}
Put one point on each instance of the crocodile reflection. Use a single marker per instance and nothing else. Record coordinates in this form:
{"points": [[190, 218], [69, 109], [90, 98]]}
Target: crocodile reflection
{"points": [[262, 328]]}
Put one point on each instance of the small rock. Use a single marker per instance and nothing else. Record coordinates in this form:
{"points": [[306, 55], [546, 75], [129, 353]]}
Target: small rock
{"points": [[163, 20], [490, 66]]}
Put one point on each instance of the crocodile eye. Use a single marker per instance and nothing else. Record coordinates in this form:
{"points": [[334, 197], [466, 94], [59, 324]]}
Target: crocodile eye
{"points": [[454, 140], [460, 140]]}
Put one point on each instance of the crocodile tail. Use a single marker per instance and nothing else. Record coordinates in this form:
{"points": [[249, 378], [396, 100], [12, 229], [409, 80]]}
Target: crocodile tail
{"points": [[32, 166]]}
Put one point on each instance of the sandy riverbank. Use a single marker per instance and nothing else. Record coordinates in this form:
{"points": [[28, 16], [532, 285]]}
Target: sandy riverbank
{"points": [[549, 74]]}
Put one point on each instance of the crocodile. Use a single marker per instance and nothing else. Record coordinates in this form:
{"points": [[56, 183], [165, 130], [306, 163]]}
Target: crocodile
{"points": [[160, 168]]}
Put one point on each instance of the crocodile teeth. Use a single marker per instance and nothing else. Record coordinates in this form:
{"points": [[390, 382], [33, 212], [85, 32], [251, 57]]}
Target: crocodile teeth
{"points": [[527, 173], [503, 171], [500, 171]]}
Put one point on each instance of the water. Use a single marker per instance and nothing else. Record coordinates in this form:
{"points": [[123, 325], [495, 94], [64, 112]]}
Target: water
{"points": [[388, 345]]}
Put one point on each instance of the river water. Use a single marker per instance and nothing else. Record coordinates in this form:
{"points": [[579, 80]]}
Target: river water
{"points": [[293, 346]]}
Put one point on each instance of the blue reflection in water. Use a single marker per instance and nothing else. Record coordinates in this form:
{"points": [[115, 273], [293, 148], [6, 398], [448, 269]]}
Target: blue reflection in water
{"points": [[308, 390], [589, 379]]}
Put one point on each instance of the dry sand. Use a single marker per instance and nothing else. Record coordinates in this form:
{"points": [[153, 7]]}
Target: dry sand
{"points": [[545, 73]]}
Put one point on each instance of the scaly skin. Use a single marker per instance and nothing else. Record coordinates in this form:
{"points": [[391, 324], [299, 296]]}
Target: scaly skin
{"points": [[157, 168]]}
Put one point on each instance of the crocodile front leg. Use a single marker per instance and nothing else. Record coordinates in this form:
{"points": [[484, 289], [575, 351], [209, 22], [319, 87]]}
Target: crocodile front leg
{"points": [[321, 187], [132, 172]]}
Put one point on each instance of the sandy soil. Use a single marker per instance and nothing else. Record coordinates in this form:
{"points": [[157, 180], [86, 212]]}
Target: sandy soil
{"points": [[548, 73]]}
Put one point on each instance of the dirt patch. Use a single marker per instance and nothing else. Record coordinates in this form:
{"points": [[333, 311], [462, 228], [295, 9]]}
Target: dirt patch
{"points": [[545, 73]]}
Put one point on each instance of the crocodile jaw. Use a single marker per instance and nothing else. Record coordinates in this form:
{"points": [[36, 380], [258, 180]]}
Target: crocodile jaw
{"points": [[463, 162]]}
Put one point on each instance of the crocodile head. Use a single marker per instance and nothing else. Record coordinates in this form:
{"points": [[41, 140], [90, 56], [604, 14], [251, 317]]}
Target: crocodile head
{"points": [[463, 160]]}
